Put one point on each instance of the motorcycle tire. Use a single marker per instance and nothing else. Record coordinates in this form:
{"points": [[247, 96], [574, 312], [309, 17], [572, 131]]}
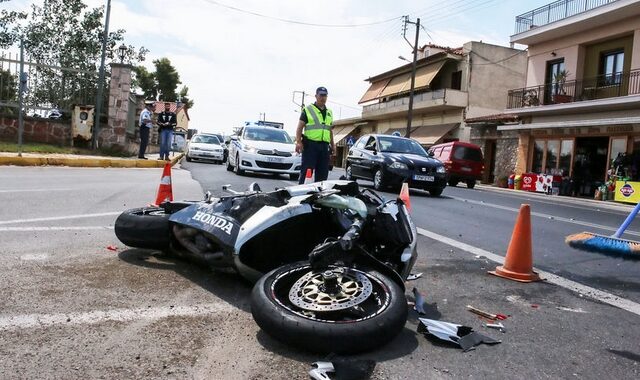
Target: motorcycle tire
{"points": [[146, 227], [328, 331]]}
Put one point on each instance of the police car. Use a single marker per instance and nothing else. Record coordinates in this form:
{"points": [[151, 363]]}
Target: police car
{"points": [[263, 148]]}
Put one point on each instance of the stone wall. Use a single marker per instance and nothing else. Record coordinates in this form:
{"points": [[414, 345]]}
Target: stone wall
{"points": [[506, 148], [36, 130]]}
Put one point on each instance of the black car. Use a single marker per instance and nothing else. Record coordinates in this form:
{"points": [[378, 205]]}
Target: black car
{"points": [[390, 161], [225, 145]]}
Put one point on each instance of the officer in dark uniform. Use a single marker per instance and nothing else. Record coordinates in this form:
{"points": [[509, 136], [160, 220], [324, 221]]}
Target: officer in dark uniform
{"points": [[316, 142]]}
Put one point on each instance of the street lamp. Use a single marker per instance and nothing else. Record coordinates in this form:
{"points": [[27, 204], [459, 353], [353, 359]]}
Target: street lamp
{"points": [[122, 52]]}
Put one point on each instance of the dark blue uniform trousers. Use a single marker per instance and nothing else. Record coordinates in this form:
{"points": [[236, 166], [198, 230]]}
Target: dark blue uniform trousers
{"points": [[315, 156]]}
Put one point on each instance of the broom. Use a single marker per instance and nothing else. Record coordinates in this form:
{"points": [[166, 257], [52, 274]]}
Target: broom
{"points": [[608, 245]]}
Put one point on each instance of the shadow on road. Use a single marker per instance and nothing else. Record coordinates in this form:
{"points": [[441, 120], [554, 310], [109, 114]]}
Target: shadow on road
{"points": [[226, 285]]}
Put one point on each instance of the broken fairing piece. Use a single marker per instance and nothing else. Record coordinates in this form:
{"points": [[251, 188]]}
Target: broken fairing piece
{"points": [[463, 336], [485, 314], [321, 370], [497, 326], [419, 305], [413, 276]]}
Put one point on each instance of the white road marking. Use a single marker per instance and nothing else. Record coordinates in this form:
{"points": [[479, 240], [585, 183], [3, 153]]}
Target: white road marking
{"points": [[587, 291], [69, 228], [547, 216], [59, 218], [118, 315], [35, 257], [32, 190]]}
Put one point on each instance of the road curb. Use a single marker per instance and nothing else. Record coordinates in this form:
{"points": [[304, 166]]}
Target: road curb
{"points": [[87, 162]]}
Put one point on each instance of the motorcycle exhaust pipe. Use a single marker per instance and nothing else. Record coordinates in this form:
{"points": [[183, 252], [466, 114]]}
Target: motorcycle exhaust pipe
{"points": [[186, 237]]}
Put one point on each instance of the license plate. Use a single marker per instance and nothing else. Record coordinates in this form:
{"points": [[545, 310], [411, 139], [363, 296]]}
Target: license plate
{"points": [[275, 159], [428, 178]]}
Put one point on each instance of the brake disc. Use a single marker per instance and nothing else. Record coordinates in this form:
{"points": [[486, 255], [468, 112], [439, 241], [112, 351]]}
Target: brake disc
{"points": [[309, 293]]}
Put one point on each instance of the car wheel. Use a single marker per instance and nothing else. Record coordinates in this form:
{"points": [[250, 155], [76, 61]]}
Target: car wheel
{"points": [[188, 158], [229, 167], [435, 192], [453, 182], [348, 174], [471, 183], [237, 167], [294, 177], [378, 180]]}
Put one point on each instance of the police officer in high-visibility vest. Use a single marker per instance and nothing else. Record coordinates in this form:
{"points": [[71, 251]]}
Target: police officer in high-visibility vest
{"points": [[316, 143]]}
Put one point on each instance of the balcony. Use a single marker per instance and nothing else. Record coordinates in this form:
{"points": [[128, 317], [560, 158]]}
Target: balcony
{"points": [[556, 11], [432, 101], [595, 88]]}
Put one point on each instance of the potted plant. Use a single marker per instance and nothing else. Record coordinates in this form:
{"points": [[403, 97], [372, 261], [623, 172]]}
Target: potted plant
{"points": [[502, 181], [560, 92]]}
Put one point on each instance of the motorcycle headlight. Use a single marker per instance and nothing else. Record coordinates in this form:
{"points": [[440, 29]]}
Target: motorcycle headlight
{"points": [[398, 165], [440, 169], [249, 149]]}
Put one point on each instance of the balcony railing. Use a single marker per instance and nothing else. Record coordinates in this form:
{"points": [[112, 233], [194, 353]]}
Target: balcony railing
{"points": [[600, 87], [430, 95], [556, 11]]}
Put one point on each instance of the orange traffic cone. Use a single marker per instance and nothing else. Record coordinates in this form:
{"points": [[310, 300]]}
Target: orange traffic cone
{"points": [[518, 265], [308, 178], [165, 192], [404, 195]]}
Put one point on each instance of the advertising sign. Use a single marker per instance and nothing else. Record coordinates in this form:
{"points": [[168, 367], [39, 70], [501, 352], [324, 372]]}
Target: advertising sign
{"points": [[627, 192]]}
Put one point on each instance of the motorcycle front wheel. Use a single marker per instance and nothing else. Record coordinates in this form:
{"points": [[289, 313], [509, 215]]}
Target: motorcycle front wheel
{"points": [[341, 310], [146, 227]]}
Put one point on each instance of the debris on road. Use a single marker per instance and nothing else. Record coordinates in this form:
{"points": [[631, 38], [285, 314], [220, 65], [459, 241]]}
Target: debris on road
{"points": [[498, 326], [414, 276], [419, 303], [463, 336], [485, 314], [343, 369], [112, 248]]}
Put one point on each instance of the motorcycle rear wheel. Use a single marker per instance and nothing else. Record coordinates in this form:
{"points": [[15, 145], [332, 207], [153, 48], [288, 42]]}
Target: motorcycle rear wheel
{"points": [[363, 323], [146, 227]]}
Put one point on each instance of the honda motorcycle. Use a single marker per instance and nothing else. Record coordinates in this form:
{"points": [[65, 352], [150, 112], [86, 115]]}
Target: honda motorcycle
{"points": [[328, 259]]}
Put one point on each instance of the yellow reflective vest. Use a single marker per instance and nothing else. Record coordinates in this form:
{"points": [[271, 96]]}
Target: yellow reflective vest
{"points": [[317, 128]]}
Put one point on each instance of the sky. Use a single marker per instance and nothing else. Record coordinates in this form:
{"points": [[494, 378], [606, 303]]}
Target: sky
{"points": [[238, 65]]}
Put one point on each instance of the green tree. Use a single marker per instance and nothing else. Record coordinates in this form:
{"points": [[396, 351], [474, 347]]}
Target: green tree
{"points": [[185, 98], [167, 79], [8, 92], [146, 81]]}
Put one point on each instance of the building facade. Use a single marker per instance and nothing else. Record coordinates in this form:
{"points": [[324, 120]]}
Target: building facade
{"points": [[580, 106], [451, 85]]}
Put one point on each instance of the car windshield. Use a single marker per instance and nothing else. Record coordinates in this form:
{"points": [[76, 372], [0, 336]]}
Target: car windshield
{"points": [[267, 134], [202, 139], [400, 145]]}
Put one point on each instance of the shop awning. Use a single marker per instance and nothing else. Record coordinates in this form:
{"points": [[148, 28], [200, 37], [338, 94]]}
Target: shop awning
{"points": [[572, 123], [397, 84], [425, 75], [426, 135], [374, 90], [342, 132], [429, 135]]}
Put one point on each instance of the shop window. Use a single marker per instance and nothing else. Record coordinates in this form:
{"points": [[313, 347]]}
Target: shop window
{"points": [[618, 146], [553, 146], [538, 156], [566, 150], [611, 67]]}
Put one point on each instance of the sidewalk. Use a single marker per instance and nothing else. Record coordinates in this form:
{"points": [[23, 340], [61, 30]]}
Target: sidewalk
{"points": [[74, 160]]}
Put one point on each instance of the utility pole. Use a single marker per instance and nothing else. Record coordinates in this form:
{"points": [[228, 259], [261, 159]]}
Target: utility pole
{"points": [[413, 70], [294, 99], [96, 124]]}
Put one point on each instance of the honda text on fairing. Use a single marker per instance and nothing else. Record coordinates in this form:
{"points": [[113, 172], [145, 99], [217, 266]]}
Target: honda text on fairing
{"points": [[328, 259], [389, 161], [263, 149]]}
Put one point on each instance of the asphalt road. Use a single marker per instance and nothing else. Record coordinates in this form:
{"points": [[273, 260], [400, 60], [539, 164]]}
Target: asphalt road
{"points": [[76, 304]]}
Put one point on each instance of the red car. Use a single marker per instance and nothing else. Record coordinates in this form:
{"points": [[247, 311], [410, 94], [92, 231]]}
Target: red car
{"points": [[463, 161]]}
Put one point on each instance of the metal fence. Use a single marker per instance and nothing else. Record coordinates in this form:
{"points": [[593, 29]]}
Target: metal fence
{"points": [[556, 11], [47, 87], [599, 87]]}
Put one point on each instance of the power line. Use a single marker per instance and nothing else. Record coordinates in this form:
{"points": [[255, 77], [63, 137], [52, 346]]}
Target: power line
{"points": [[498, 61], [296, 21]]}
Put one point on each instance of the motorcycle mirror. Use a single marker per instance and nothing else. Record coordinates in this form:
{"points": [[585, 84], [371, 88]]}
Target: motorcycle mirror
{"points": [[226, 187], [254, 187], [207, 196]]}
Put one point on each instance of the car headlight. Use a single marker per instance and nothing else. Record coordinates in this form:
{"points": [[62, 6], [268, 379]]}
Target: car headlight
{"points": [[398, 165], [440, 169], [249, 149]]}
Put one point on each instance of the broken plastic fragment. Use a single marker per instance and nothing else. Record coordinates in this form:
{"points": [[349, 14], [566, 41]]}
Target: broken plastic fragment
{"points": [[343, 369], [463, 336], [112, 248], [413, 276]]}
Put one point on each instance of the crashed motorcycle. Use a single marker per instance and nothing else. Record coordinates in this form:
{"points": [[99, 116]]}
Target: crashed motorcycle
{"points": [[328, 259]]}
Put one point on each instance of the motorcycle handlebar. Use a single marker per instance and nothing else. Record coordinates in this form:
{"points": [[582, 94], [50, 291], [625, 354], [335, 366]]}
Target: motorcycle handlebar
{"points": [[347, 240]]}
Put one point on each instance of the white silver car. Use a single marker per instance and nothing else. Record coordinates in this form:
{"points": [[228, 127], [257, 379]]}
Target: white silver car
{"points": [[205, 147], [264, 150]]}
